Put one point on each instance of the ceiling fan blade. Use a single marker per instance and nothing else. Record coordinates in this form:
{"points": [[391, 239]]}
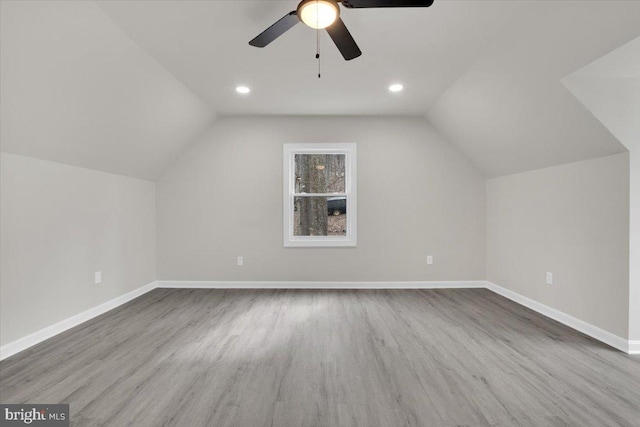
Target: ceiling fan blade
{"points": [[359, 4], [276, 30], [343, 40]]}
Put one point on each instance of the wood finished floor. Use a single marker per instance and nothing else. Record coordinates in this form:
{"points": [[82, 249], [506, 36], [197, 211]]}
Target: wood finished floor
{"points": [[326, 358]]}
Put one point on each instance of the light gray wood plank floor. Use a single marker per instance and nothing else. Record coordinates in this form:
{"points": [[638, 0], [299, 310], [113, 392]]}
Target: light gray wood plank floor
{"points": [[326, 358]]}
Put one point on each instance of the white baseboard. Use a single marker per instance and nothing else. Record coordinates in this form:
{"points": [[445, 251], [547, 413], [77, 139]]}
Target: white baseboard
{"points": [[631, 347], [30, 340], [319, 285], [577, 324]]}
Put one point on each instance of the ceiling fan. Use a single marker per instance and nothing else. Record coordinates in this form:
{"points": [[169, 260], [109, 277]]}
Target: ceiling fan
{"points": [[325, 14]]}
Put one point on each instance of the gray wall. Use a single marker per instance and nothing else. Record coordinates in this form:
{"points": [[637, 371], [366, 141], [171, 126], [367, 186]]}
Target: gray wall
{"points": [[223, 198], [59, 224], [634, 235], [417, 196], [571, 220]]}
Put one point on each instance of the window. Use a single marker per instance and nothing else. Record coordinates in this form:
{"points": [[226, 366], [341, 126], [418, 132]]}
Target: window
{"points": [[320, 195]]}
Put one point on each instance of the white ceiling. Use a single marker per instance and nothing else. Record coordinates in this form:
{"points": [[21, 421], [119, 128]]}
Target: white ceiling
{"points": [[205, 44], [124, 86]]}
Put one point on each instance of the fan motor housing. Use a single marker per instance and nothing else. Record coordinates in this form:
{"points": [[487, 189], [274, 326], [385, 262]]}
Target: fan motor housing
{"points": [[318, 14]]}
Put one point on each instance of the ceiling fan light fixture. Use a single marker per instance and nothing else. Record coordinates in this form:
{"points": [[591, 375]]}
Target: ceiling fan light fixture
{"points": [[318, 14]]}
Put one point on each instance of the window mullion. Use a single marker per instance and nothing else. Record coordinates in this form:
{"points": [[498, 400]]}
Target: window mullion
{"points": [[319, 194]]}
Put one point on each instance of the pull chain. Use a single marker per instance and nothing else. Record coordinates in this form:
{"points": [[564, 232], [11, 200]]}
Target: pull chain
{"points": [[318, 38], [318, 50]]}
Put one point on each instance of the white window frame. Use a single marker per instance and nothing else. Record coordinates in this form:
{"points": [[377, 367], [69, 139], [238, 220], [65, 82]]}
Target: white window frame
{"points": [[289, 152]]}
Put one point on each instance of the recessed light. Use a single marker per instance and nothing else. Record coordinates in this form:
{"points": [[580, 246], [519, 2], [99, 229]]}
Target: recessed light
{"points": [[243, 90], [397, 87]]}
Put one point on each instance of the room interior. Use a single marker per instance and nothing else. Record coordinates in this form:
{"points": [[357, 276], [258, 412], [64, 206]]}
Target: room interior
{"points": [[496, 275]]}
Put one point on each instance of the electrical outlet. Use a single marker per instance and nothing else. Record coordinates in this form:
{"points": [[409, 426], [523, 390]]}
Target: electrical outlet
{"points": [[430, 260], [549, 278], [240, 261], [97, 277]]}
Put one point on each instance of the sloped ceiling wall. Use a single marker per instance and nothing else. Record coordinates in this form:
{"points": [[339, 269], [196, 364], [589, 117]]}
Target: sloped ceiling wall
{"points": [[510, 111], [75, 89], [610, 89]]}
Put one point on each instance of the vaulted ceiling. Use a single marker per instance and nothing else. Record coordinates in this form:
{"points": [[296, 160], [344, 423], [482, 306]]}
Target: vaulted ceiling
{"points": [[610, 89], [125, 86], [205, 44], [75, 89], [509, 112]]}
